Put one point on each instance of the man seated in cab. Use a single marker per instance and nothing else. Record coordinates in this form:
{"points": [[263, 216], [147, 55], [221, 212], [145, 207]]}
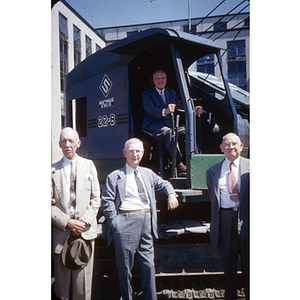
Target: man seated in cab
{"points": [[159, 103]]}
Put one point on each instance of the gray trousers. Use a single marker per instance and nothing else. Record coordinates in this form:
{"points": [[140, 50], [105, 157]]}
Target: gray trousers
{"points": [[133, 239]]}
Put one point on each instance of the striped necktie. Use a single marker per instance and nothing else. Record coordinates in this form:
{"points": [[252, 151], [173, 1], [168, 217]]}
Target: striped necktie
{"points": [[232, 185], [72, 185], [140, 187]]}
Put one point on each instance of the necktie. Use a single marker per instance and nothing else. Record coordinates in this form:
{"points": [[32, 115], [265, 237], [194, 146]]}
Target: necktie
{"points": [[72, 185], [140, 187], [163, 96], [232, 185]]}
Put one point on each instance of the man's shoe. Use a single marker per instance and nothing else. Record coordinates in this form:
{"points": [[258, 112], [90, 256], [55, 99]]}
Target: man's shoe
{"points": [[181, 169]]}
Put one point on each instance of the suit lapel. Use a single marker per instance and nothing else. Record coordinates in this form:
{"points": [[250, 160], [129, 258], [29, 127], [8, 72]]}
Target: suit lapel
{"points": [[167, 96], [159, 99], [216, 178], [80, 173], [121, 182], [147, 182], [244, 179]]}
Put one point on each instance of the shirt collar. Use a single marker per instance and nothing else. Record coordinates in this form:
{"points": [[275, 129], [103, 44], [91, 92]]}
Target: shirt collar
{"points": [[67, 161], [236, 162], [159, 91], [130, 170]]}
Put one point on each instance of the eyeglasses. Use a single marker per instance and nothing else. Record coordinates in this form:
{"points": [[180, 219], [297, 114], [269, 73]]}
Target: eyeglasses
{"points": [[231, 145], [72, 142]]}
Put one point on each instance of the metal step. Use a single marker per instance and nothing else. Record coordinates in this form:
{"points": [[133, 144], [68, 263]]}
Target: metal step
{"points": [[178, 183], [188, 192]]}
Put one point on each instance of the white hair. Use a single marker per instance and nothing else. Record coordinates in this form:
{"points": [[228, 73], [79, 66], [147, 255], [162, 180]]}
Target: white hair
{"points": [[70, 129], [159, 71], [231, 133], [133, 141]]}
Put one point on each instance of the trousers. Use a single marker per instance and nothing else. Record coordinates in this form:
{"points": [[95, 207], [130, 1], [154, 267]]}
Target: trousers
{"points": [[132, 238], [80, 280], [164, 135], [230, 246]]}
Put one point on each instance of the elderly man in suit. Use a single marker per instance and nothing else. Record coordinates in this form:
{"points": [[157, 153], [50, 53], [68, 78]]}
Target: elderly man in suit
{"points": [[129, 205], [159, 103], [75, 200], [228, 187]]}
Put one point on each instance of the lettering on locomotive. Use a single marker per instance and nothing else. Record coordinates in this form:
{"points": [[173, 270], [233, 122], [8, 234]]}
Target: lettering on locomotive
{"points": [[103, 121], [110, 102]]}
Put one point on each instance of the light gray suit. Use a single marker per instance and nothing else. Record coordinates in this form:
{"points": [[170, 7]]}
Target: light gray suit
{"points": [[229, 230], [131, 232], [87, 206]]}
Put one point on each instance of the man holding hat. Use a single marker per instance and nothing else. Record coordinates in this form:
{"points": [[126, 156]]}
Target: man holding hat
{"points": [[75, 197]]}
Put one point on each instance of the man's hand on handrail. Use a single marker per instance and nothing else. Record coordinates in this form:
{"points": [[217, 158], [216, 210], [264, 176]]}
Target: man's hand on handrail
{"points": [[198, 110], [170, 109]]}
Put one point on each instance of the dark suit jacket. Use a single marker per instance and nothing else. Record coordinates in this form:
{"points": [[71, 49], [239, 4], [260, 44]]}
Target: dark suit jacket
{"points": [[114, 192], [153, 106], [212, 181]]}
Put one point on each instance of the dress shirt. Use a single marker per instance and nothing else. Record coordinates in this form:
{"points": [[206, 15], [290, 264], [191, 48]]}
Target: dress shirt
{"points": [[226, 202], [67, 171], [132, 200]]}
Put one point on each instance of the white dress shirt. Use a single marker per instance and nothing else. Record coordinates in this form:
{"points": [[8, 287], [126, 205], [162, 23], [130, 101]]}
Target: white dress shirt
{"points": [[132, 200], [226, 202]]}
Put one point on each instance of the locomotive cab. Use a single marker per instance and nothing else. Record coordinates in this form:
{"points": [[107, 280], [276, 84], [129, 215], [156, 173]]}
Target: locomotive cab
{"points": [[104, 96]]}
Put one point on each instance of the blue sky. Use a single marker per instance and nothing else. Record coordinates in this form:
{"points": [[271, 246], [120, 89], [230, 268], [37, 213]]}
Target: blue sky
{"points": [[106, 13]]}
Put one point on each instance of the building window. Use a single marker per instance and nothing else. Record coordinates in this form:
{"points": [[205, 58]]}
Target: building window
{"points": [[247, 23], [88, 46], [206, 64], [77, 45], [220, 26], [80, 116], [236, 60], [186, 28], [63, 50], [98, 47]]}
